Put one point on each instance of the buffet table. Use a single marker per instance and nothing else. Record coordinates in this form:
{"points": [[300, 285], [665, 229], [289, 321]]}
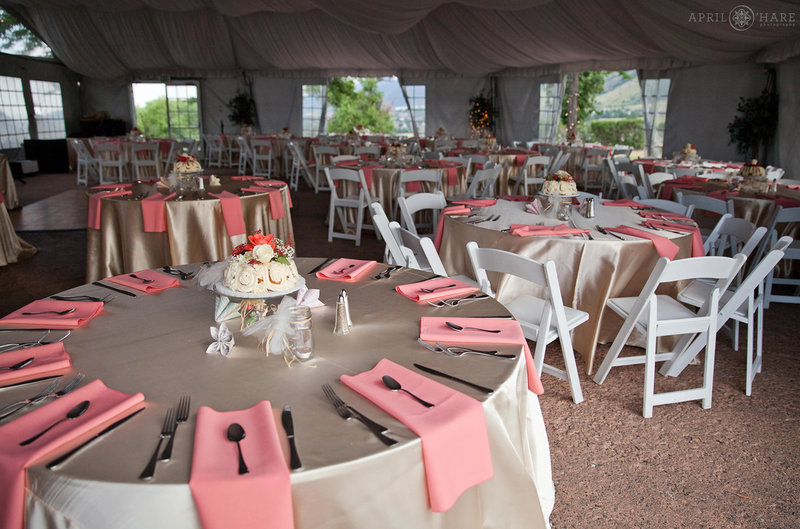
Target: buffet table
{"points": [[195, 229], [589, 271], [156, 344]]}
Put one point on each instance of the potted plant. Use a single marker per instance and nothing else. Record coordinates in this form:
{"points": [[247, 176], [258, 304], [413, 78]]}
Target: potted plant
{"points": [[754, 128], [243, 110]]}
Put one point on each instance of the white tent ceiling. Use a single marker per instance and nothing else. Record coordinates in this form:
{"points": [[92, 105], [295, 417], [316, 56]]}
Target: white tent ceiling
{"points": [[139, 39]]}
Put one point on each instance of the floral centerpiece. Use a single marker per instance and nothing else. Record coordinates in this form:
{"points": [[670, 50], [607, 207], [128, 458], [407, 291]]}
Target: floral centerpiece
{"points": [[559, 183], [263, 264], [752, 170], [285, 133], [687, 154], [187, 164]]}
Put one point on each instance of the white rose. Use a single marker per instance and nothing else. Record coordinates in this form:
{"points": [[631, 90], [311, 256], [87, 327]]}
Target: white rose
{"points": [[262, 278], [230, 274], [280, 275], [565, 188], [246, 280], [263, 253]]}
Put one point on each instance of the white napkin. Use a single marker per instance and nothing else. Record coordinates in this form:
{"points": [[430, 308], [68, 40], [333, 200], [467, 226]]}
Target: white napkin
{"points": [[223, 340]]}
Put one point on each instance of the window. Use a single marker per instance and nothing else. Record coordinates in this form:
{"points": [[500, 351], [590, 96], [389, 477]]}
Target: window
{"points": [[550, 95], [48, 109], [17, 39], [167, 110], [13, 113], [183, 113], [655, 93], [416, 102], [314, 101]]}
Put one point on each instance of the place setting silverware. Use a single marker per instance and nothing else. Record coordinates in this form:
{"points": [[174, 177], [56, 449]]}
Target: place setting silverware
{"points": [[24, 345], [322, 265], [448, 376], [115, 289], [457, 350], [453, 302], [142, 279], [606, 232], [177, 272], [49, 392], [346, 411], [460, 328], [236, 434], [18, 365], [394, 385], [430, 290], [658, 228], [167, 430], [181, 416], [84, 297], [288, 426], [386, 273], [77, 411], [56, 312]]}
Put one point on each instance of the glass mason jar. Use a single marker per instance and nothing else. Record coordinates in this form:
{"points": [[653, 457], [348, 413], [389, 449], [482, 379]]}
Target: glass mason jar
{"points": [[301, 340], [564, 211]]}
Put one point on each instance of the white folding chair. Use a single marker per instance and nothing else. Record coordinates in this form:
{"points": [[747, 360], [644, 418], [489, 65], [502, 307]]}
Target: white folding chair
{"points": [[533, 172], [705, 203], [300, 167], [542, 319], [742, 305], [169, 159], [215, 150], [469, 143], [774, 173], [322, 159], [245, 156], [87, 165], [683, 171], [592, 163], [463, 160], [668, 205], [392, 253], [654, 179], [660, 315], [111, 161], [234, 150], [145, 157], [734, 235], [372, 151], [417, 202], [559, 163], [262, 157], [483, 183], [343, 199], [792, 253], [343, 158], [429, 180]]}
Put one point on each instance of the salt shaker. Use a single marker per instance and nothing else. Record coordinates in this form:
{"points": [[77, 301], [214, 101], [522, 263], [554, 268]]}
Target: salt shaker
{"points": [[589, 208], [343, 323]]}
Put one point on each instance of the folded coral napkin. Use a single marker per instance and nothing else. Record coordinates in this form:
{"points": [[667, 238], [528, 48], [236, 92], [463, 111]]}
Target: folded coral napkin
{"points": [[84, 311], [106, 406], [625, 202], [232, 212], [96, 206], [455, 442], [50, 359], [525, 230], [159, 281], [345, 269], [245, 178], [435, 330], [683, 182], [225, 498], [153, 213], [450, 167], [515, 198], [697, 239], [476, 202], [443, 288], [276, 209], [449, 210], [664, 247], [785, 202]]}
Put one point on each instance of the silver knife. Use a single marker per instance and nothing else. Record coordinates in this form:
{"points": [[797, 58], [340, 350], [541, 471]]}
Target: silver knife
{"points": [[432, 371], [288, 425], [322, 265], [99, 284]]}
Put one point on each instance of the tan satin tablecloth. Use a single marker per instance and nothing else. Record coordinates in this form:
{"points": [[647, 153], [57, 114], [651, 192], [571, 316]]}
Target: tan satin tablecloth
{"points": [[12, 248], [7, 185], [156, 344], [589, 272], [385, 182], [748, 204], [195, 233]]}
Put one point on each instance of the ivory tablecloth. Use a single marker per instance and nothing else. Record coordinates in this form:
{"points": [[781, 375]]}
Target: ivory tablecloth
{"points": [[7, 185], [156, 344], [195, 232], [589, 272]]}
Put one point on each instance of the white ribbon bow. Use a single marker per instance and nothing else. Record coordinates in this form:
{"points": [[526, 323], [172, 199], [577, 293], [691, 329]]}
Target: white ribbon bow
{"points": [[274, 329], [223, 340]]}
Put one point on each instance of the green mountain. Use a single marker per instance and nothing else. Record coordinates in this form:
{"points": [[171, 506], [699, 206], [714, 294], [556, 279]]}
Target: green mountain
{"points": [[620, 98]]}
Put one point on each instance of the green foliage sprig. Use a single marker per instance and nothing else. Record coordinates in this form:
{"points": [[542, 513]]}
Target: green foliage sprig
{"points": [[753, 130]]}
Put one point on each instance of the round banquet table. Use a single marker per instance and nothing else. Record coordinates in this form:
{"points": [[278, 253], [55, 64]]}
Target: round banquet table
{"points": [[155, 344], [590, 272], [195, 231]]}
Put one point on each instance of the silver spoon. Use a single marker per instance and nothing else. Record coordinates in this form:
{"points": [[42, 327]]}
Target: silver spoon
{"points": [[343, 269], [19, 365], [56, 312], [143, 280], [460, 328], [394, 385], [235, 435], [74, 413], [429, 290]]}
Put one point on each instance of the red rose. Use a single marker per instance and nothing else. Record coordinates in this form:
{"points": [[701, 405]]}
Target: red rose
{"points": [[242, 248]]}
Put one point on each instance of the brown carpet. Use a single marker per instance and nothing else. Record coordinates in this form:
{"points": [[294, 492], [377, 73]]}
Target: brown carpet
{"points": [[64, 211], [735, 465]]}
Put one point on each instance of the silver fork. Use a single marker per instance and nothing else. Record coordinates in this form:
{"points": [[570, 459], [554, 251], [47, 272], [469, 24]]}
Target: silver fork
{"points": [[142, 279], [460, 351], [167, 431], [56, 312], [182, 416], [23, 403], [347, 412], [60, 393]]}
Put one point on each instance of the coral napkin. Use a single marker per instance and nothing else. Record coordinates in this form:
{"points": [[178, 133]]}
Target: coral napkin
{"points": [[231, 212], [516, 198], [50, 359], [275, 200], [722, 194], [435, 330], [107, 406], [450, 167], [476, 202], [697, 239], [684, 182], [245, 178], [450, 210], [160, 281], [525, 230], [455, 443], [345, 269], [124, 185], [624, 203], [444, 288], [153, 217], [664, 247], [95, 206], [784, 202], [84, 311], [224, 498]]}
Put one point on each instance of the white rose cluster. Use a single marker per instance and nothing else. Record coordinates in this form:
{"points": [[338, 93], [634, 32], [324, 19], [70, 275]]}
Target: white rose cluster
{"points": [[256, 272]]}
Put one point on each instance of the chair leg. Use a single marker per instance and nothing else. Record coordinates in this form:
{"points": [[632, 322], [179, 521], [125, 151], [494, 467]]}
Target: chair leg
{"points": [[649, 368], [331, 221], [572, 369], [359, 224], [749, 371]]}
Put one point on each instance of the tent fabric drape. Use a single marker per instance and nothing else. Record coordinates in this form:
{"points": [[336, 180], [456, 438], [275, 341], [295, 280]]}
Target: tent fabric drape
{"points": [[208, 38]]}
